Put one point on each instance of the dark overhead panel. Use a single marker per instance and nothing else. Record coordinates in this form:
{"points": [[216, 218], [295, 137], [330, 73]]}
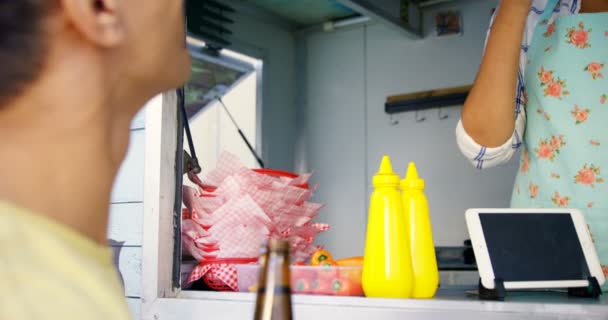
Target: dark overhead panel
{"points": [[388, 13], [210, 21], [304, 13]]}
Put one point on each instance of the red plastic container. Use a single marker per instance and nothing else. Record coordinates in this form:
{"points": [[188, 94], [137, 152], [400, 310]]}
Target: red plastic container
{"points": [[279, 173], [268, 172]]}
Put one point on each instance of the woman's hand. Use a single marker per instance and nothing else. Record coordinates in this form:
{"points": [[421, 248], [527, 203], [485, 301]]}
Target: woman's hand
{"points": [[488, 115]]}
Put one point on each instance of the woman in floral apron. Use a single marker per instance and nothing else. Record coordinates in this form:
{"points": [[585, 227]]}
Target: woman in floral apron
{"points": [[555, 53]]}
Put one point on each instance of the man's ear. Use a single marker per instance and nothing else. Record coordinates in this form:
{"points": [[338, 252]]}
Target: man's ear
{"points": [[99, 21]]}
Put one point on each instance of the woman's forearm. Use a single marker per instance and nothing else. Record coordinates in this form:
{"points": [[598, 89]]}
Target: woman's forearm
{"points": [[488, 115]]}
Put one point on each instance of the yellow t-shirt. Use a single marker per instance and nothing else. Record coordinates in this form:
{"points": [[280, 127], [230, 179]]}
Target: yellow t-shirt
{"points": [[48, 271]]}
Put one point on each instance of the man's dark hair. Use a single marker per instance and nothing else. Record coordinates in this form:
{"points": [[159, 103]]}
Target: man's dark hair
{"points": [[22, 44]]}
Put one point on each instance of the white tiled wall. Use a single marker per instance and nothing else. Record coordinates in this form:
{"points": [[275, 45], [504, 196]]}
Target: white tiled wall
{"points": [[126, 216]]}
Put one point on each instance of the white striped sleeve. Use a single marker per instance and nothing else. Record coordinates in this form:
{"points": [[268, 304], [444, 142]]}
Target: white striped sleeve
{"points": [[483, 157]]}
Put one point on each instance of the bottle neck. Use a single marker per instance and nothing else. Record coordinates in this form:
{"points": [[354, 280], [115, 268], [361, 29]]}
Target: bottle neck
{"points": [[275, 271], [274, 292], [278, 267]]}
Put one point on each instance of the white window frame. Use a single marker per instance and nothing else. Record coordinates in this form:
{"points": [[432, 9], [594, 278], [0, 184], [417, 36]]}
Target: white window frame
{"points": [[241, 63], [161, 300]]}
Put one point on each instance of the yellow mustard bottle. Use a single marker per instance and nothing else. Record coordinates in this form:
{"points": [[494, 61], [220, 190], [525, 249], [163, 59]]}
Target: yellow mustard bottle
{"points": [[387, 265], [424, 261]]}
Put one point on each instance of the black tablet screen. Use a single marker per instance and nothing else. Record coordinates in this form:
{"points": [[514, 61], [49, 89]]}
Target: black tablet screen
{"points": [[534, 247]]}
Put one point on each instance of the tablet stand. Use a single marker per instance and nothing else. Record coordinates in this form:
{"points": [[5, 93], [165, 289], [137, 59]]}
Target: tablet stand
{"points": [[496, 294], [593, 290]]}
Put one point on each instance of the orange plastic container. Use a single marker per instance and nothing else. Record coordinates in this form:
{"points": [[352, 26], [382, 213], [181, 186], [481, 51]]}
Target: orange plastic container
{"points": [[315, 280]]}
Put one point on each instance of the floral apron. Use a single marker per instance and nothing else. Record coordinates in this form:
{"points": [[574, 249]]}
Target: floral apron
{"points": [[565, 155]]}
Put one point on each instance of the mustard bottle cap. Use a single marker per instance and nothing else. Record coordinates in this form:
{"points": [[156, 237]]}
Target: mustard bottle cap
{"points": [[385, 175], [412, 181]]}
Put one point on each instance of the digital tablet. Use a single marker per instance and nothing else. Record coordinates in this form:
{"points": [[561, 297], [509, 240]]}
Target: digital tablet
{"points": [[533, 248]]}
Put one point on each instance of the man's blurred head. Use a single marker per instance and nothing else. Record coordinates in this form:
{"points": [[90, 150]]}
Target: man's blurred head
{"points": [[134, 48], [73, 74], [22, 44]]}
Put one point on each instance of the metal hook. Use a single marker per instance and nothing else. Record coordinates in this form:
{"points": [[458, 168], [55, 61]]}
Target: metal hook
{"points": [[393, 121], [441, 115], [420, 118]]}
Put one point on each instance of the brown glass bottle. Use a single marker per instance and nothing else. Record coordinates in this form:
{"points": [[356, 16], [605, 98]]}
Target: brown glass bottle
{"points": [[273, 300]]}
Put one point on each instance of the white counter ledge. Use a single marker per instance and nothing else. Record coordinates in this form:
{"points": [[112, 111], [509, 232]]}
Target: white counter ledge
{"points": [[452, 304]]}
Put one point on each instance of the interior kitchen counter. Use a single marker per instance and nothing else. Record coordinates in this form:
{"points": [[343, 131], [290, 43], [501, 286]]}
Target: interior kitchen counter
{"points": [[454, 303]]}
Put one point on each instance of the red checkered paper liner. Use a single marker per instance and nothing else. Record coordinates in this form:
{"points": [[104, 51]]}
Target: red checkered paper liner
{"points": [[200, 202], [243, 227], [198, 241], [196, 180], [220, 274], [235, 210], [219, 277]]}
